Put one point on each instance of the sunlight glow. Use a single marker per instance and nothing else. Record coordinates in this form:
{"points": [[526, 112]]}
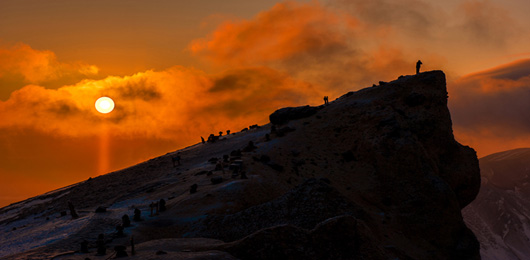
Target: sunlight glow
{"points": [[104, 105]]}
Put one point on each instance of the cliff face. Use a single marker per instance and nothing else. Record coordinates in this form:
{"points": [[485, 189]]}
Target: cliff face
{"points": [[375, 174], [390, 153], [499, 214]]}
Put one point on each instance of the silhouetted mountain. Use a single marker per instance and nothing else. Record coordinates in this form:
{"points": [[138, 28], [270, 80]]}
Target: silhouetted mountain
{"points": [[500, 215], [376, 174]]}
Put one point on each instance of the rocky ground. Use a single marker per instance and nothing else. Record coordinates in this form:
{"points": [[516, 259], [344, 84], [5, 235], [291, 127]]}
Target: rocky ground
{"points": [[376, 174]]}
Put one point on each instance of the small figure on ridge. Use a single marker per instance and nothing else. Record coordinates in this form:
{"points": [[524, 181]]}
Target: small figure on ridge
{"points": [[418, 65]]}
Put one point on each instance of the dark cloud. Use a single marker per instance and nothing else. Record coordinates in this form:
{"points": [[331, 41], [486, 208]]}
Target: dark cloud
{"points": [[413, 17], [497, 100], [233, 80], [63, 108], [142, 89], [255, 91], [514, 71], [487, 24]]}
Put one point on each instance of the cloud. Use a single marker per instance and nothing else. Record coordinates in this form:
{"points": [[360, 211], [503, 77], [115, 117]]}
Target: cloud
{"points": [[21, 65], [281, 33], [325, 46], [487, 24], [492, 106], [411, 17], [157, 104]]}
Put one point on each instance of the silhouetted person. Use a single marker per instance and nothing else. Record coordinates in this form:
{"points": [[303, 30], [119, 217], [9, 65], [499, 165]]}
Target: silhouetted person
{"points": [[250, 147], [176, 159], [125, 221], [84, 246], [162, 205], [202, 140], [152, 207], [72, 210], [227, 132], [119, 229], [120, 251], [193, 188], [211, 138], [220, 133], [100, 243], [418, 66], [132, 246], [137, 215], [326, 100]]}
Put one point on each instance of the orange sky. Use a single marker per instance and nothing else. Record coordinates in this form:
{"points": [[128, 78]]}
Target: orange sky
{"points": [[178, 71]]}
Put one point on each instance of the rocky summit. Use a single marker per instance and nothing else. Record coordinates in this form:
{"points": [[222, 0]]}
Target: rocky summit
{"points": [[374, 174]]}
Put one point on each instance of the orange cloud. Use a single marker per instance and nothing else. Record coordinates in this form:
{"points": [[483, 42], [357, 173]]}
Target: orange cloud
{"points": [[311, 42], [55, 136], [21, 65], [156, 104], [287, 29], [490, 108], [486, 23]]}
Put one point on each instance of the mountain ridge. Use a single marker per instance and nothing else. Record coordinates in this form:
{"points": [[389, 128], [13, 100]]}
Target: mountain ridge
{"points": [[380, 162]]}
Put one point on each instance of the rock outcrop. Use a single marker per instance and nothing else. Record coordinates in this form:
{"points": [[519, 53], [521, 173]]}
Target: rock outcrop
{"points": [[392, 163], [284, 115]]}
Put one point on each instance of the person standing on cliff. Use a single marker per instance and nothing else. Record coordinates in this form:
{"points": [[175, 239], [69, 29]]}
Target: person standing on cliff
{"points": [[418, 65]]}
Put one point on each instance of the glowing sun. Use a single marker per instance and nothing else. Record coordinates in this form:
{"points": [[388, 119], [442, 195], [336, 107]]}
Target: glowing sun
{"points": [[104, 105]]}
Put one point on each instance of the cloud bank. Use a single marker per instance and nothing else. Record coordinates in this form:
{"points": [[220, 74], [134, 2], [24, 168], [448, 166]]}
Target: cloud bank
{"points": [[490, 109], [21, 65]]}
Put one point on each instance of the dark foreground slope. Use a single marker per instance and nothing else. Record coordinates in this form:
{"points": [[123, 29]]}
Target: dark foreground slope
{"points": [[376, 174], [500, 215]]}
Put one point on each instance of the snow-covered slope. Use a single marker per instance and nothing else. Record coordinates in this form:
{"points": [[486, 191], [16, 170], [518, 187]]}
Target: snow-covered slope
{"points": [[500, 215]]}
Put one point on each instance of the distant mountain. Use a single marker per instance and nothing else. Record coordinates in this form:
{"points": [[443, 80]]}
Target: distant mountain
{"points": [[500, 215], [374, 174]]}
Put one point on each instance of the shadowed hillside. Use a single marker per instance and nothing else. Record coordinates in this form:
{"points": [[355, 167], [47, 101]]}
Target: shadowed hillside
{"points": [[375, 174]]}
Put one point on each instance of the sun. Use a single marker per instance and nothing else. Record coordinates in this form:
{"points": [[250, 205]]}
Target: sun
{"points": [[104, 105]]}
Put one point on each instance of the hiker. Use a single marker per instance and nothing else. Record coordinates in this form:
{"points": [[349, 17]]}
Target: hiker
{"points": [[193, 188], [100, 243], [119, 230], [176, 159], [418, 65], [125, 221], [84, 246], [162, 205], [326, 100], [151, 206], [72, 210], [137, 215]]}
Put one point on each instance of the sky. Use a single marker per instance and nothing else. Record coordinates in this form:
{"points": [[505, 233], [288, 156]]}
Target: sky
{"points": [[179, 70]]}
